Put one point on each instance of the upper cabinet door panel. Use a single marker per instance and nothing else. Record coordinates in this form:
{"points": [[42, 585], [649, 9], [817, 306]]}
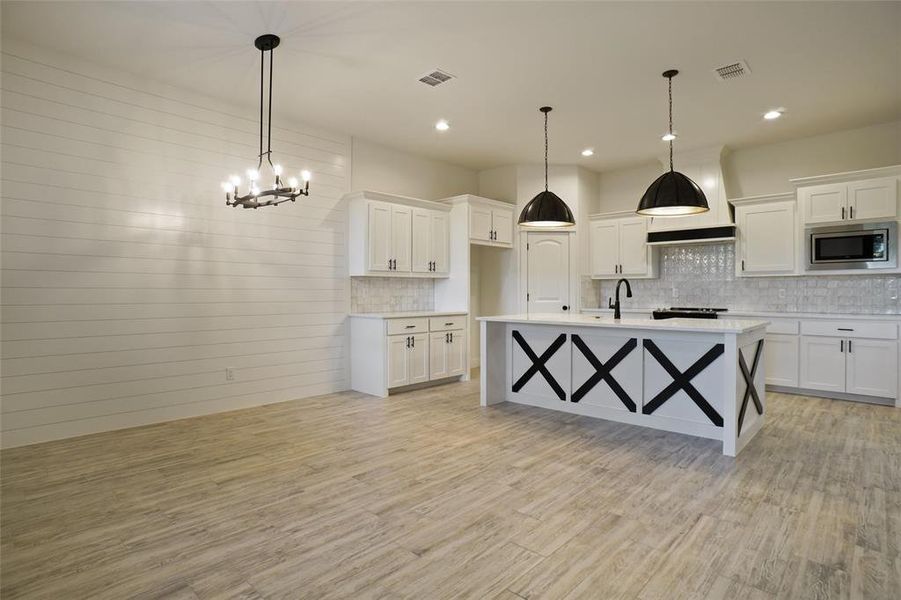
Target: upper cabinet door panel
{"points": [[439, 229], [422, 251], [767, 234], [604, 245], [873, 199], [502, 224], [633, 251], [824, 203], [401, 236], [380, 246], [480, 223]]}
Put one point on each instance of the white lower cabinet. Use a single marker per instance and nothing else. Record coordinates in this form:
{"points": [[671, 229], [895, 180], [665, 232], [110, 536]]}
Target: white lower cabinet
{"points": [[872, 367], [447, 354], [862, 366], [823, 363], [408, 359], [781, 358]]}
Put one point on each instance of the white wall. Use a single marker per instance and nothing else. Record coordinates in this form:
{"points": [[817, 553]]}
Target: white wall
{"points": [[766, 169], [383, 169], [127, 285]]}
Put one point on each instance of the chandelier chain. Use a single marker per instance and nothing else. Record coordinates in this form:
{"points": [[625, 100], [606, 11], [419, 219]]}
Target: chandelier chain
{"points": [[262, 64], [269, 134]]}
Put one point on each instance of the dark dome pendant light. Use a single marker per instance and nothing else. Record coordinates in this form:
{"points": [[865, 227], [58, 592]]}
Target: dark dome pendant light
{"points": [[546, 209], [672, 194]]}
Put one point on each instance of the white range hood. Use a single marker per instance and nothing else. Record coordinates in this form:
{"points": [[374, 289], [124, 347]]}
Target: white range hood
{"points": [[704, 167]]}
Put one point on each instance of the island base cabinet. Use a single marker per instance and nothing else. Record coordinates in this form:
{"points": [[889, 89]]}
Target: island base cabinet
{"points": [[782, 360], [823, 363], [618, 384], [872, 367]]}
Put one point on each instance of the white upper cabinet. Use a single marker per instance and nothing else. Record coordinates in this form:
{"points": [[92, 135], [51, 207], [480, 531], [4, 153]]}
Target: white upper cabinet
{"points": [[873, 198], [430, 241], [854, 197], [480, 227], [502, 224], [766, 243], [490, 221], [618, 247], [394, 235]]}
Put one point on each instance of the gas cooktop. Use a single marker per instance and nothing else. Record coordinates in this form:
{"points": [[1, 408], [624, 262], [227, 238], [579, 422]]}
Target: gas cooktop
{"points": [[687, 312]]}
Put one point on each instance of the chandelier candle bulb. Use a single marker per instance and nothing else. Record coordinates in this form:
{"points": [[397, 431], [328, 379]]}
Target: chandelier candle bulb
{"points": [[292, 182], [277, 169], [305, 175]]}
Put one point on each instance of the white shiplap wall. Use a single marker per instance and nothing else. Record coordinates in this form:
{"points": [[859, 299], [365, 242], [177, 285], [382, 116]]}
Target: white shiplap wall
{"points": [[128, 286]]}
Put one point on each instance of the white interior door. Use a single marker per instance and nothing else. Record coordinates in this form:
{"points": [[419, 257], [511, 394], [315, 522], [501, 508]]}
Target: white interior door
{"points": [[547, 273], [633, 249], [401, 236], [379, 236]]}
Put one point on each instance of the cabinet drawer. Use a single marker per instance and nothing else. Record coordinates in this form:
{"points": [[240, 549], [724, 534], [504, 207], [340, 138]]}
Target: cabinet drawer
{"points": [[398, 326], [447, 323], [880, 330], [783, 327]]}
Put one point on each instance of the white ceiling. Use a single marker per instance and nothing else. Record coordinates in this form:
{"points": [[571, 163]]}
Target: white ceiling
{"points": [[352, 67]]}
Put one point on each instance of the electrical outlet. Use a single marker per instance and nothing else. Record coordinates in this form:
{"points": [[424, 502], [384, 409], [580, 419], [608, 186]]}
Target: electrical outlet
{"points": [[229, 373]]}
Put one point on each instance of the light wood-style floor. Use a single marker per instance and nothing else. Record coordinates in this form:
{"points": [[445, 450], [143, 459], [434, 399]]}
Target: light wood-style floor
{"points": [[426, 495]]}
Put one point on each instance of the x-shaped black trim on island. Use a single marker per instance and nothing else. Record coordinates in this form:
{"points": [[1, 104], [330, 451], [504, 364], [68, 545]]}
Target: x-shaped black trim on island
{"points": [[602, 371], [682, 381], [751, 389], [538, 364]]}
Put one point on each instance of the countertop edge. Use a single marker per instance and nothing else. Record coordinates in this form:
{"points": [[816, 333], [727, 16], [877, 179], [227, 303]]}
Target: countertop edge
{"points": [[407, 315]]}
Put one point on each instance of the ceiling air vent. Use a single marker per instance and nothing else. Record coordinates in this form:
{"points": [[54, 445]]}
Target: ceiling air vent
{"points": [[436, 77], [732, 71]]}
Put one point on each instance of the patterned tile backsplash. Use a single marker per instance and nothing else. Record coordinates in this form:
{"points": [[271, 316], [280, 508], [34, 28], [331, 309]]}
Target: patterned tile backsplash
{"points": [[704, 275], [391, 294]]}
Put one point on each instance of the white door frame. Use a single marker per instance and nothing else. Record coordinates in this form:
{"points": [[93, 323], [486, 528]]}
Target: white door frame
{"points": [[575, 301]]}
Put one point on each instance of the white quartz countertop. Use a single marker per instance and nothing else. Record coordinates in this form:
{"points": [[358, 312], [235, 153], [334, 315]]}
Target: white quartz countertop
{"points": [[582, 320], [407, 315], [763, 314]]}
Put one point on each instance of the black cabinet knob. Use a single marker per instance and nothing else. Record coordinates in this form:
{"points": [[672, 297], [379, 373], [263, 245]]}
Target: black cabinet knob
{"points": [[565, 307]]}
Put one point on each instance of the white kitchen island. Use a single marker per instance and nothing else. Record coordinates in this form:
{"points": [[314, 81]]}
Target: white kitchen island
{"points": [[694, 376]]}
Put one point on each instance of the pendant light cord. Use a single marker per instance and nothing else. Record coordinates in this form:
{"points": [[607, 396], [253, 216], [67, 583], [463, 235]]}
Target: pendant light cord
{"points": [[545, 151], [269, 134], [670, 80]]}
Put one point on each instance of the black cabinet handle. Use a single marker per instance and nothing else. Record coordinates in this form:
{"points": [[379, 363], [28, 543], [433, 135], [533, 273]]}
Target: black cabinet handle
{"points": [[844, 329], [447, 338], [452, 337], [851, 210], [843, 213], [849, 346], [408, 341], [412, 342], [842, 346], [409, 326]]}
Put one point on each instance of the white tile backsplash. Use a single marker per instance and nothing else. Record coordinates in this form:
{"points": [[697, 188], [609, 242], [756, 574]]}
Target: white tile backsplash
{"points": [[704, 275], [391, 294]]}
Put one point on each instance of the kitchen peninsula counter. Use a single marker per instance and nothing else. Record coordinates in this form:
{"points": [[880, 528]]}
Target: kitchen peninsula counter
{"points": [[701, 377]]}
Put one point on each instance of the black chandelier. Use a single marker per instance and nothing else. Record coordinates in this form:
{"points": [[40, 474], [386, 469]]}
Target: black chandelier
{"points": [[672, 194], [546, 209], [281, 190]]}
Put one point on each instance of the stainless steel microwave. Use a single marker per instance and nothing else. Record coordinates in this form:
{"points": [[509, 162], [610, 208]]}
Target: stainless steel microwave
{"points": [[857, 246]]}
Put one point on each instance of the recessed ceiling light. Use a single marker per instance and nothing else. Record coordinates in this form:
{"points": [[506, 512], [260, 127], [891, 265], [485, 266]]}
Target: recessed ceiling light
{"points": [[773, 114], [588, 152], [668, 137], [442, 125]]}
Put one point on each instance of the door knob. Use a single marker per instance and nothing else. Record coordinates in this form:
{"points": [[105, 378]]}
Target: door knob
{"points": [[565, 307]]}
